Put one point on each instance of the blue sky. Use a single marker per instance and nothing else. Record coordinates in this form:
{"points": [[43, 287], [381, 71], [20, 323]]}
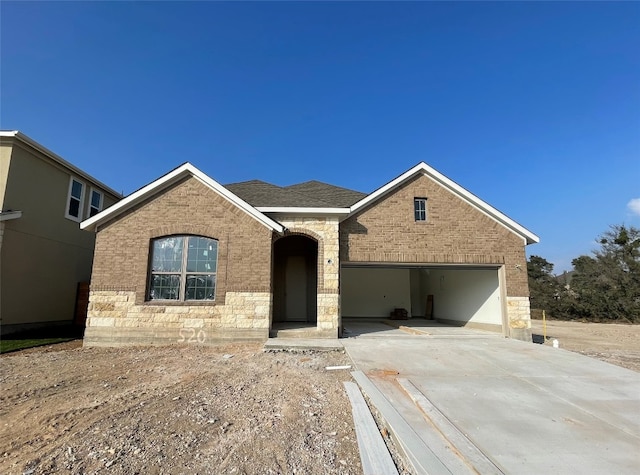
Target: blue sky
{"points": [[534, 107]]}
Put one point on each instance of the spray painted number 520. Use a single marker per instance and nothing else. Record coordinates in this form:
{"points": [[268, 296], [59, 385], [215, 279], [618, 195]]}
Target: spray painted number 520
{"points": [[190, 335]]}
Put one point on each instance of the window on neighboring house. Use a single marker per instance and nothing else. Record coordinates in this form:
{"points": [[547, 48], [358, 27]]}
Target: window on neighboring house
{"points": [[183, 268], [74, 201], [420, 209], [95, 205]]}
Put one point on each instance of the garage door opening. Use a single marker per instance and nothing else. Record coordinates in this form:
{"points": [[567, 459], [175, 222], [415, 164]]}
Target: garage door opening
{"points": [[455, 295]]}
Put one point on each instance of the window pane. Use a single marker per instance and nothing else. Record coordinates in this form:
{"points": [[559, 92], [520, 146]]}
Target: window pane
{"points": [[167, 254], [202, 255], [74, 207], [200, 287], [95, 199], [76, 189], [164, 287], [420, 209]]}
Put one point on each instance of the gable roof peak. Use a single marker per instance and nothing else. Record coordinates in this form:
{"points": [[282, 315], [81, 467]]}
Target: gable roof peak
{"points": [[164, 182], [309, 182], [453, 187]]}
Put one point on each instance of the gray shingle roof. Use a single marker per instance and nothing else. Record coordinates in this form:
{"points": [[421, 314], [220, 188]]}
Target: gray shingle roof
{"points": [[335, 195], [312, 194]]}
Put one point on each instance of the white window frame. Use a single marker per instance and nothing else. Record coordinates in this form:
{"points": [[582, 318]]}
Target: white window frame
{"points": [[420, 212], [93, 190], [70, 197], [182, 273]]}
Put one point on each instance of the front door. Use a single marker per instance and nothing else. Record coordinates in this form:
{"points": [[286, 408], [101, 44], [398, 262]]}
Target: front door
{"points": [[296, 289]]}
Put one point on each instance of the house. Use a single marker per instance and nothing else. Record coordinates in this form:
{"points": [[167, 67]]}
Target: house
{"points": [[185, 259], [43, 253]]}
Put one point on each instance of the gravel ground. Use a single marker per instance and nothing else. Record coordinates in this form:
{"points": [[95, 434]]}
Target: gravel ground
{"points": [[175, 410], [615, 343], [200, 410]]}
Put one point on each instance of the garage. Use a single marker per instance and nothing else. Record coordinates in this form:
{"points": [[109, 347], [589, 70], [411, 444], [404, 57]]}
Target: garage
{"points": [[461, 295]]}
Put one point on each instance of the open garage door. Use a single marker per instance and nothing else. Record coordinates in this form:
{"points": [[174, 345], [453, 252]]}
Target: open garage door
{"points": [[457, 295]]}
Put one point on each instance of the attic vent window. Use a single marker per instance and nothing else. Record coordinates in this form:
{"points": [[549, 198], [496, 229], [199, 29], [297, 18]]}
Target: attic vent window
{"points": [[420, 209]]}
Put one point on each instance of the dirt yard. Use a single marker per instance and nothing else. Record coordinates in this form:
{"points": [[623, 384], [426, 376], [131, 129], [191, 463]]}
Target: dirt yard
{"points": [[202, 410], [177, 410], [614, 343]]}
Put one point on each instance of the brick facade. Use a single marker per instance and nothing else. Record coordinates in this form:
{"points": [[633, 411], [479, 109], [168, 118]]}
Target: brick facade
{"points": [[120, 270], [455, 232]]}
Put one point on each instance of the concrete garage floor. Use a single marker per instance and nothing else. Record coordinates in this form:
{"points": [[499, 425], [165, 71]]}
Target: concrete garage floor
{"points": [[518, 407], [381, 327]]}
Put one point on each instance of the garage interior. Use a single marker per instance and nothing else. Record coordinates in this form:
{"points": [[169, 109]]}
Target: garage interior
{"points": [[456, 295]]}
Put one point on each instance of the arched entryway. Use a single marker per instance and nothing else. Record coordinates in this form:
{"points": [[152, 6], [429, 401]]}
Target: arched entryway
{"points": [[295, 280]]}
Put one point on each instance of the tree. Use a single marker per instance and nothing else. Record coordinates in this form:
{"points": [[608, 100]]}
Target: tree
{"points": [[544, 288], [607, 285]]}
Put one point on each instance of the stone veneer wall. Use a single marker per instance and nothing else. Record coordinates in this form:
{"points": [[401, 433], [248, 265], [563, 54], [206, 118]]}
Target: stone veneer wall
{"points": [[115, 319], [519, 317], [325, 231]]}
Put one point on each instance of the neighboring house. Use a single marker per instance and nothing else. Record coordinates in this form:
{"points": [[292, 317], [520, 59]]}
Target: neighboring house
{"points": [[185, 259], [43, 253]]}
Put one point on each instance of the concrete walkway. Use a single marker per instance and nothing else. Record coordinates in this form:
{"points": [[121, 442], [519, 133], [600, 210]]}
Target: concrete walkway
{"points": [[483, 403]]}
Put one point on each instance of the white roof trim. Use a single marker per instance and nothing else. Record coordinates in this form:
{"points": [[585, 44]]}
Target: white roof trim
{"points": [[16, 134], [167, 180], [301, 210], [7, 215], [425, 169]]}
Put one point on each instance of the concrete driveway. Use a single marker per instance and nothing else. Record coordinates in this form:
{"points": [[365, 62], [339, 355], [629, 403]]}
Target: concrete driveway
{"points": [[518, 407]]}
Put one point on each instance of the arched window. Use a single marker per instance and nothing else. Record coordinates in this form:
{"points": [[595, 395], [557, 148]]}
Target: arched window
{"points": [[183, 268]]}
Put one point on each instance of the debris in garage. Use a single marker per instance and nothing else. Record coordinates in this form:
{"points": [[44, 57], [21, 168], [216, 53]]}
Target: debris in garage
{"points": [[399, 314]]}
